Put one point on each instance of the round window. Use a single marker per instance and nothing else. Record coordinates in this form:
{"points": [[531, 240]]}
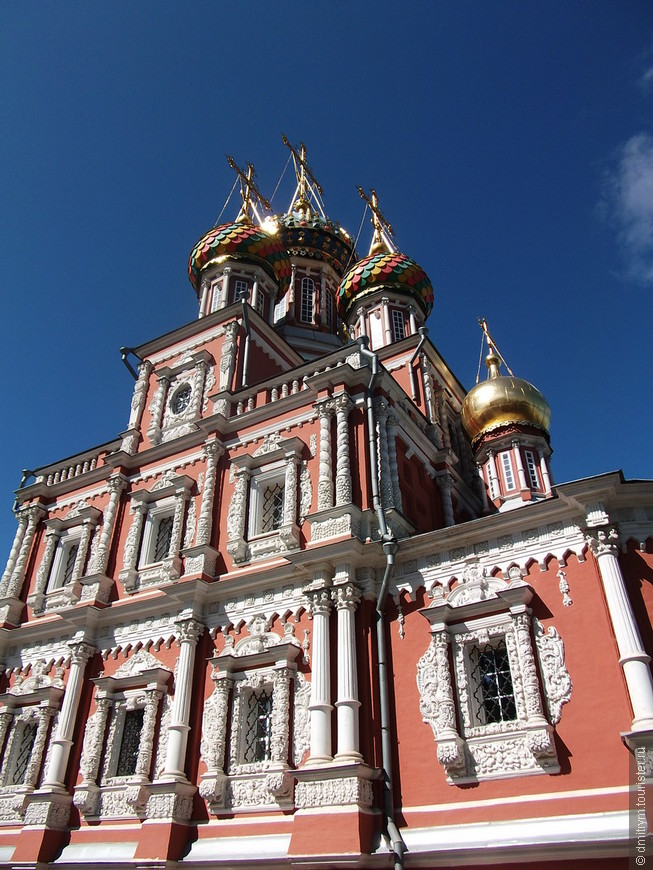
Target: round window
{"points": [[181, 399]]}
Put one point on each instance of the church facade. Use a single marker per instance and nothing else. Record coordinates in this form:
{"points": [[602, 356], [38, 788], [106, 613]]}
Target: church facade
{"points": [[317, 605]]}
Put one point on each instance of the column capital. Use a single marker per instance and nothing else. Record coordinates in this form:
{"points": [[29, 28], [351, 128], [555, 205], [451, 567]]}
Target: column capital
{"points": [[346, 597], [319, 601], [343, 403], [117, 483], [324, 408], [189, 630], [603, 540], [213, 448], [81, 651]]}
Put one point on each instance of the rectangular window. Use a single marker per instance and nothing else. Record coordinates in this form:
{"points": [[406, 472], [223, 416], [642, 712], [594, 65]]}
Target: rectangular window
{"points": [[492, 689], [240, 287], [398, 325], [508, 475], [328, 300], [258, 726], [25, 743], [63, 564], [307, 300], [272, 515], [260, 303], [130, 743], [532, 469], [158, 533]]}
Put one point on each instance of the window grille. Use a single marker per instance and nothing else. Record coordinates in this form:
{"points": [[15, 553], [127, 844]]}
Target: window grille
{"points": [[69, 564], [307, 299], [258, 727], [260, 303], [532, 469], [329, 310], [181, 399], [398, 325], [507, 470], [494, 694], [130, 743], [272, 516], [240, 287], [163, 538], [26, 739]]}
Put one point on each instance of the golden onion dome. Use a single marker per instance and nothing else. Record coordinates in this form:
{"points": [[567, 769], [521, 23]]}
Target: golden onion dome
{"points": [[503, 400]]}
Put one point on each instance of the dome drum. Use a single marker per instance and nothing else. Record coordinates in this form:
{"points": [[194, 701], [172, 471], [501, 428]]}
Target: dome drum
{"points": [[316, 238]]}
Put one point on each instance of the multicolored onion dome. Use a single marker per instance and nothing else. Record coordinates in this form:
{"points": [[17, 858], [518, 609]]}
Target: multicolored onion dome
{"points": [[311, 235], [245, 242], [503, 400], [385, 269]]}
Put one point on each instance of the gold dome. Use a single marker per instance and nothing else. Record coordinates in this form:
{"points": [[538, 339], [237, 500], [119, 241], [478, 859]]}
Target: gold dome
{"points": [[503, 401]]}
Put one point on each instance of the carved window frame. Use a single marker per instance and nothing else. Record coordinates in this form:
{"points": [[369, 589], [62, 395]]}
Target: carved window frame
{"points": [[260, 481], [67, 540], [139, 684], [36, 700], [479, 611], [156, 512], [231, 782]]}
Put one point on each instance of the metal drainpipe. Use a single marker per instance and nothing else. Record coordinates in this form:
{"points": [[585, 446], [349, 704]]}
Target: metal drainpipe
{"points": [[244, 296], [423, 332], [390, 547]]}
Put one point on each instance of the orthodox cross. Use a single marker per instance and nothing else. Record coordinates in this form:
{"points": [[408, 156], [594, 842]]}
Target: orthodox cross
{"points": [[382, 227], [248, 190], [492, 346], [302, 171]]}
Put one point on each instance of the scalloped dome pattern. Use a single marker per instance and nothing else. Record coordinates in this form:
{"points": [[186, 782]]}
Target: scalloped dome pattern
{"points": [[388, 268], [243, 240]]}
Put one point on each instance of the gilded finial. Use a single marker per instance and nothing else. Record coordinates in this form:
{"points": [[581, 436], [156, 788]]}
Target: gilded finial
{"points": [[305, 178], [248, 191], [381, 241]]}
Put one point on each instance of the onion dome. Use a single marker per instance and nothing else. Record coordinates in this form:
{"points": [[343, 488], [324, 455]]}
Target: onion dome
{"points": [[385, 269], [241, 241], [503, 400], [305, 233]]}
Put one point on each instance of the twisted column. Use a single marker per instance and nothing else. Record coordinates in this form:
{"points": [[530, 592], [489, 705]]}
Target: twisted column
{"points": [[44, 716], [146, 747], [213, 450], [12, 589], [52, 537], [343, 405], [325, 477], [15, 548], [154, 430], [290, 490], [140, 395], [115, 486]]}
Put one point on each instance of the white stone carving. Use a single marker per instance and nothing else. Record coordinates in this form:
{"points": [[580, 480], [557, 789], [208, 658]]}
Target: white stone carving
{"points": [[555, 676], [334, 792]]}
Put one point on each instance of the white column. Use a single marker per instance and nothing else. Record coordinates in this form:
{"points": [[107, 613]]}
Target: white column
{"points": [[140, 395], [325, 479], [446, 484], [52, 536], [385, 313], [224, 293], [291, 293], [154, 430], [346, 598], [360, 316], [15, 581], [188, 633], [213, 450], [391, 428], [255, 293], [62, 742], [385, 483], [343, 405], [204, 297], [322, 298], [633, 659], [320, 704], [290, 489], [115, 486], [483, 487], [413, 321], [15, 548], [495, 489], [544, 468], [521, 474]]}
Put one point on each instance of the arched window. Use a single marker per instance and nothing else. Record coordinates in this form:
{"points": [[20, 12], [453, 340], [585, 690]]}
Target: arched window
{"points": [[307, 300]]}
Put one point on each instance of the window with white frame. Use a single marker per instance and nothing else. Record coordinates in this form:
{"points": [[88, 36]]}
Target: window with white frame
{"points": [[240, 287], [531, 469], [508, 474], [120, 737], [259, 707], [28, 715], [65, 558], [488, 716], [266, 502], [259, 302], [398, 324], [157, 535], [307, 300]]}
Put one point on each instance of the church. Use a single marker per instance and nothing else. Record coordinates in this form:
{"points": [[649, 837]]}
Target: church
{"points": [[316, 605]]}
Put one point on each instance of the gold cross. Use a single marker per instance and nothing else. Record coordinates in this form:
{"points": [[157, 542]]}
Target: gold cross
{"points": [[379, 222], [248, 190], [302, 171]]}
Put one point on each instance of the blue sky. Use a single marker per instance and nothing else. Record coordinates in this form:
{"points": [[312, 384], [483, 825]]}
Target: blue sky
{"points": [[511, 144]]}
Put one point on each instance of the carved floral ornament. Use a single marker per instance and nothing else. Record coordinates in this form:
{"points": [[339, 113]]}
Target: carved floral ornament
{"points": [[480, 616]]}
